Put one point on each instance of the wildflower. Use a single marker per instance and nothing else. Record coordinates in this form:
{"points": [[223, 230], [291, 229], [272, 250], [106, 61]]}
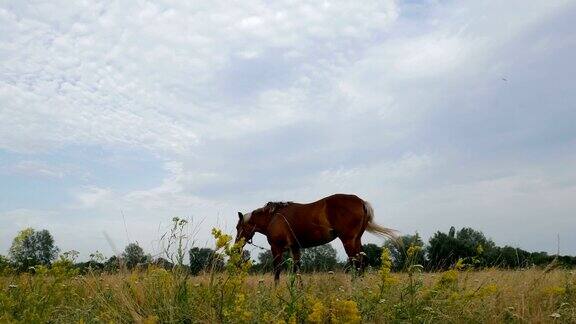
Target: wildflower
{"points": [[554, 290], [318, 313], [459, 264], [346, 311], [448, 278], [412, 250], [479, 249], [488, 290], [555, 315]]}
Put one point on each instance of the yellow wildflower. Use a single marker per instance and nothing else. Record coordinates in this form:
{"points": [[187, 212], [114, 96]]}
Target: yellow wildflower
{"points": [[345, 311], [318, 313]]}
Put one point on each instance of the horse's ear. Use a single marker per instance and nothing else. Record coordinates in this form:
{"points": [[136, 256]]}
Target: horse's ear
{"points": [[270, 207], [240, 216]]}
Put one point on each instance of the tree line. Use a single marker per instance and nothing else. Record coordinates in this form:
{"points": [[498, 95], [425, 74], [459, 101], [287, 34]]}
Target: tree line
{"points": [[31, 249]]}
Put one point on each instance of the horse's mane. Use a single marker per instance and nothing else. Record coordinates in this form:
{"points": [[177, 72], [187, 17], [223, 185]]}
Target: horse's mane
{"points": [[273, 206]]}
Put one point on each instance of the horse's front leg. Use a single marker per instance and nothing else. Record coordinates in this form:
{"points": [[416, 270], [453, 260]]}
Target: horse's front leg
{"points": [[296, 258], [277, 261]]}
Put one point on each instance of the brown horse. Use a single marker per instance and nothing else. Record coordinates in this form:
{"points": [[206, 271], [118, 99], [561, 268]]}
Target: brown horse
{"points": [[292, 226]]}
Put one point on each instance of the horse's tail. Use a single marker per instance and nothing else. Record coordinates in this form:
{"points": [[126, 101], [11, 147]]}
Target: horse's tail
{"points": [[375, 228]]}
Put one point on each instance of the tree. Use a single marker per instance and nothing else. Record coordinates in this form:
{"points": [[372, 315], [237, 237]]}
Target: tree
{"points": [[319, 258], [204, 258], [163, 263], [134, 255], [442, 250], [398, 250], [373, 253], [113, 264], [467, 244], [265, 261], [30, 248]]}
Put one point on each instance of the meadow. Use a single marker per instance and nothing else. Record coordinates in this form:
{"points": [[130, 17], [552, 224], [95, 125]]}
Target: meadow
{"points": [[160, 296], [155, 295]]}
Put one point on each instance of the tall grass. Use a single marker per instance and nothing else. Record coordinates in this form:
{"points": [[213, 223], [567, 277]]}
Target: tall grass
{"points": [[156, 295]]}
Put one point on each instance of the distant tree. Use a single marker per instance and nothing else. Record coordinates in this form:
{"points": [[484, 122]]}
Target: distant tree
{"points": [[473, 240], [113, 264], [90, 267], [444, 250], [541, 258], [452, 232], [373, 253], [319, 258], [30, 248], [265, 261], [398, 250], [163, 263], [509, 257], [204, 259], [134, 255]]}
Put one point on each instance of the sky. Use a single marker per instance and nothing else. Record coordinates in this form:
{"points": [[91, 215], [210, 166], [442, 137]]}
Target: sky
{"points": [[116, 116]]}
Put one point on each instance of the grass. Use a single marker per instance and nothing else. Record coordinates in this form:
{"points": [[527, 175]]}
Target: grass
{"points": [[59, 295], [156, 295]]}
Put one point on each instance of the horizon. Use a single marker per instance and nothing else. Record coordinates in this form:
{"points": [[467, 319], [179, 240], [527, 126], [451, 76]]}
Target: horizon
{"points": [[117, 117]]}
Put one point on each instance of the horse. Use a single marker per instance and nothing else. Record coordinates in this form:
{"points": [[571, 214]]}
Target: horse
{"points": [[294, 226]]}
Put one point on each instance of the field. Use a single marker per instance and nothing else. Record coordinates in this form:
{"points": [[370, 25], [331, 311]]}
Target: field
{"points": [[158, 296]]}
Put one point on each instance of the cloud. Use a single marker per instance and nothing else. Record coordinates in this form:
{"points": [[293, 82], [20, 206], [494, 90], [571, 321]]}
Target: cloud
{"points": [[99, 76], [204, 109]]}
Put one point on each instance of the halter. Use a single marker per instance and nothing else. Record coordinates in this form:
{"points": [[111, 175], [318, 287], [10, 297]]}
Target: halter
{"points": [[258, 246]]}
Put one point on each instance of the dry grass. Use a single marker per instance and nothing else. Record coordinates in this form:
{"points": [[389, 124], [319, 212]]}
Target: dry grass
{"points": [[488, 296]]}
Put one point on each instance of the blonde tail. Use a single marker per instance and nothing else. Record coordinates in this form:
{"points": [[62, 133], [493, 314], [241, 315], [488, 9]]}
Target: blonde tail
{"points": [[374, 228]]}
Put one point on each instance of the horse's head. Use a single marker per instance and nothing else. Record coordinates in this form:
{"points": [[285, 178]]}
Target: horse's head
{"points": [[246, 227], [256, 220]]}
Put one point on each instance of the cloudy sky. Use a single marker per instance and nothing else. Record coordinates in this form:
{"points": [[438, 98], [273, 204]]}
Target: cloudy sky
{"points": [[116, 116]]}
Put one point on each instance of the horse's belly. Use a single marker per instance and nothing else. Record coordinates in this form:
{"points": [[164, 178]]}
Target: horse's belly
{"points": [[316, 238]]}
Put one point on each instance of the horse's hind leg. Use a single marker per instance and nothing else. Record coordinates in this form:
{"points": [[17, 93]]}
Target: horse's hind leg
{"points": [[353, 248]]}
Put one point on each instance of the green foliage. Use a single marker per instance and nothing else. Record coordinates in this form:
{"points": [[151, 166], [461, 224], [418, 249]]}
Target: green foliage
{"points": [[154, 295], [398, 249], [319, 258], [5, 265], [175, 241], [373, 253], [31, 248], [265, 261], [64, 266], [444, 250], [134, 255], [204, 259]]}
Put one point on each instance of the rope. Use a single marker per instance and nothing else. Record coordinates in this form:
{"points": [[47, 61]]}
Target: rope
{"points": [[258, 246], [290, 227]]}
